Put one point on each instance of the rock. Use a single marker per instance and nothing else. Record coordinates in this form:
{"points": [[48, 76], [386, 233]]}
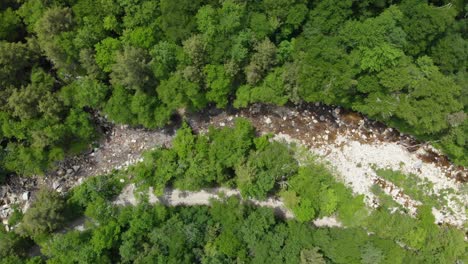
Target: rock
{"points": [[317, 104], [69, 171], [56, 185], [76, 168], [122, 180], [325, 137], [133, 141], [3, 191], [418, 165], [321, 118], [60, 172], [222, 124], [25, 196], [268, 120], [315, 121]]}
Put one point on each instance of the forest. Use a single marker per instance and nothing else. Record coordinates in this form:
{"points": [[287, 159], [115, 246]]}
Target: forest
{"points": [[143, 62], [65, 64], [228, 230]]}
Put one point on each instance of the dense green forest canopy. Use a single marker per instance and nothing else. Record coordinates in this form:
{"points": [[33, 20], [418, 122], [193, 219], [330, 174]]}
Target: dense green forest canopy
{"points": [[228, 230], [138, 62]]}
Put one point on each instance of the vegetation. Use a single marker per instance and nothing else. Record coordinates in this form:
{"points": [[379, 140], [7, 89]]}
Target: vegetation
{"points": [[140, 61], [227, 231]]}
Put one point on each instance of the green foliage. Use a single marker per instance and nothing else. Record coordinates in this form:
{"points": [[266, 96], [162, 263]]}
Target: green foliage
{"points": [[44, 216], [106, 51], [385, 59], [10, 25], [259, 174]]}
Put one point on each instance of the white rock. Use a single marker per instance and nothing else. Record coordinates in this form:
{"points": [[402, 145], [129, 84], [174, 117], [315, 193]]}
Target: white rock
{"points": [[222, 124], [25, 196], [122, 180], [55, 185], [76, 168], [418, 165], [268, 120]]}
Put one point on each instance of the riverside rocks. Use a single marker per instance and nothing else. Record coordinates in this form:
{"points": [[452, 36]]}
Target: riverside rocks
{"points": [[123, 146]]}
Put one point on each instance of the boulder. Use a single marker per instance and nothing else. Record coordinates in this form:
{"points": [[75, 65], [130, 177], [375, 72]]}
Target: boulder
{"points": [[76, 168]]}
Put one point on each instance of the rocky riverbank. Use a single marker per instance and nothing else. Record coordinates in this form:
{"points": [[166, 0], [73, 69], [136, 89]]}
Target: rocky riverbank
{"points": [[351, 143]]}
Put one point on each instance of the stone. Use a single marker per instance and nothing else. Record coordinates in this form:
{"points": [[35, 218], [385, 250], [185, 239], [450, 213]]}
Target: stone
{"points": [[56, 185], [268, 120], [69, 171], [222, 124], [25, 196], [76, 168], [122, 180], [3, 191], [325, 137], [418, 165], [60, 172], [321, 118]]}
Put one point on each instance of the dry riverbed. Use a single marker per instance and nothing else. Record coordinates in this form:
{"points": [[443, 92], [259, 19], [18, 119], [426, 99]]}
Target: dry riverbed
{"points": [[352, 145]]}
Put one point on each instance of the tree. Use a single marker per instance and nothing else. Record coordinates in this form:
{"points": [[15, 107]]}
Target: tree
{"points": [[259, 174], [312, 256], [261, 61], [106, 51], [55, 37], [15, 62], [131, 70], [177, 92], [423, 24], [44, 215], [219, 85], [11, 27], [176, 20]]}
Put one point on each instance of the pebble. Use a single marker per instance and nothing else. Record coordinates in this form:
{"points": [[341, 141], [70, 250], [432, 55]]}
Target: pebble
{"points": [[268, 120], [76, 168], [222, 124], [322, 118], [69, 171]]}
